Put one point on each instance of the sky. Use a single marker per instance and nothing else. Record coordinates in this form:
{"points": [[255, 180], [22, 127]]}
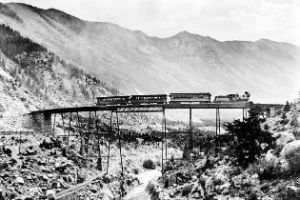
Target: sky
{"points": [[251, 20]]}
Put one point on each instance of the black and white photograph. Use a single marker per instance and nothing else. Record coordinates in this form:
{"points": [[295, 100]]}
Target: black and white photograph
{"points": [[149, 100]]}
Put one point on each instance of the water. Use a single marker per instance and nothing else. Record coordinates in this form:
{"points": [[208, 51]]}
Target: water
{"points": [[139, 192]]}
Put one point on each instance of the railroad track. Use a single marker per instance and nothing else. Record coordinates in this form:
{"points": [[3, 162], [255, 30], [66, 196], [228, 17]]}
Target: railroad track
{"points": [[74, 189]]}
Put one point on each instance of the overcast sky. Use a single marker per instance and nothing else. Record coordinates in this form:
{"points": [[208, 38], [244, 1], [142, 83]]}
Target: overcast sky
{"points": [[221, 19]]}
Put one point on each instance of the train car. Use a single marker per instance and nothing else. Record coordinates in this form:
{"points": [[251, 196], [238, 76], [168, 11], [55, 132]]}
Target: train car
{"points": [[230, 98], [178, 98], [222, 98], [149, 99], [112, 100]]}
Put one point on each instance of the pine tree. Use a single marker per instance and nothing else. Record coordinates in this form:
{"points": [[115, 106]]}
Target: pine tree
{"points": [[249, 136], [284, 119], [287, 107]]}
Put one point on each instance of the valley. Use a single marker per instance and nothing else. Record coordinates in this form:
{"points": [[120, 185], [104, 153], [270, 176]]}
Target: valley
{"points": [[50, 59]]}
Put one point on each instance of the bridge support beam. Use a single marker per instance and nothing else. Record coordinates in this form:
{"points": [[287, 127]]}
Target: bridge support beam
{"points": [[189, 141], [40, 122], [164, 140], [70, 125], [109, 140], [47, 124], [218, 129], [120, 145], [165, 132], [190, 136], [99, 160], [245, 113]]}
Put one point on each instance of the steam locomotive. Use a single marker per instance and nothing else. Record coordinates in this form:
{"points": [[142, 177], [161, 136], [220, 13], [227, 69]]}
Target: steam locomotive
{"points": [[232, 98], [172, 98]]}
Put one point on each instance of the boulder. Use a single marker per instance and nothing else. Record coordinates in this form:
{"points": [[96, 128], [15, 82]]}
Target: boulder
{"points": [[291, 152], [49, 143], [196, 195], [35, 191], [2, 193], [50, 194], [29, 151], [107, 178], [290, 148], [149, 164], [64, 167], [94, 188], [225, 188], [187, 188], [284, 166], [292, 188], [7, 151], [153, 189], [19, 180], [290, 192], [194, 178]]}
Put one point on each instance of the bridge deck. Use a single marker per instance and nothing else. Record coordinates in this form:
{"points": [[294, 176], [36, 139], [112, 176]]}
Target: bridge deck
{"points": [[145, 108]]}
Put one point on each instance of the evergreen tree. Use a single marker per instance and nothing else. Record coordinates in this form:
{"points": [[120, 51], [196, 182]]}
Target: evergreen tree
{"points": [[294, 121], [284, 119], [249, 136], [287, 107]]}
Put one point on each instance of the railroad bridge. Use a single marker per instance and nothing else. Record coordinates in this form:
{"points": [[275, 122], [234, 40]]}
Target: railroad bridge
{"points": [[45, 120]]}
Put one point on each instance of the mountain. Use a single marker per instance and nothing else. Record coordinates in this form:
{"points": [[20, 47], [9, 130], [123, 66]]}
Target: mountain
{"points": [[33, 78], [134, 62]]}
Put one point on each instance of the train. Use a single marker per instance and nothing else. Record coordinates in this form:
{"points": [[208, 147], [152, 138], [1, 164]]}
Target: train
{"points": [[179, 98], [231, 98], [172, 98]]}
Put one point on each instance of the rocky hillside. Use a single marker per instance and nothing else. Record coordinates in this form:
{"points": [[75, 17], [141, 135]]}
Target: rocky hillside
{"points": [[137, 63], [33, 77], [287, 121]]}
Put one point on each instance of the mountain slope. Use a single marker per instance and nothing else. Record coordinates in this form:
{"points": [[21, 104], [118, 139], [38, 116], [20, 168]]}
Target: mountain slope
{"points": [[33, 78], [136, 63]]}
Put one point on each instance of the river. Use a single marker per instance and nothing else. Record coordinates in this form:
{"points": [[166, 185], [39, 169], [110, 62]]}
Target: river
{"points": [[139, 193]]}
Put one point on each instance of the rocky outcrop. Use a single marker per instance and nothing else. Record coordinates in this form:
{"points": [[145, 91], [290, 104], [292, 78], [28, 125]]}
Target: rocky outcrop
{"points": [[291, 152], [290, 149]]}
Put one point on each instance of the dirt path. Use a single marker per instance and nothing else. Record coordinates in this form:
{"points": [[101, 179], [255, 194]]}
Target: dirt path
{"points": [[139, 192]]}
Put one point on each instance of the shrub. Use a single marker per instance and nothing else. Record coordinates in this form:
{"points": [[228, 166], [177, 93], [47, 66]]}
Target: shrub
{"points": [[287, 192], [136, 171], [271, 167], [250, 140], [149, 164]]}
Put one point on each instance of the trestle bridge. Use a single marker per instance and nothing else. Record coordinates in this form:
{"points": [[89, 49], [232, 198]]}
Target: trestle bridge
{"points": [[45, 120]]}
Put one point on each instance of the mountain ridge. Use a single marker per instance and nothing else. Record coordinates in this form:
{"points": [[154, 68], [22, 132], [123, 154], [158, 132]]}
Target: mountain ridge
{"points": [[137, 63], [60, 12]]}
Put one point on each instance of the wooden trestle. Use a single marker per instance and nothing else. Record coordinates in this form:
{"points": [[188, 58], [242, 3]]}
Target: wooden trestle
{"points": [[118, 109]]}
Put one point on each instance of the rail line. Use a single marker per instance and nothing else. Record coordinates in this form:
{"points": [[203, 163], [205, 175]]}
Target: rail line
{"points": [[74, 189]]}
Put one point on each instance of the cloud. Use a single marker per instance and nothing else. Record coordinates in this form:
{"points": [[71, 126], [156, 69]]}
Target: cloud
{"points": [[221, 19]]}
